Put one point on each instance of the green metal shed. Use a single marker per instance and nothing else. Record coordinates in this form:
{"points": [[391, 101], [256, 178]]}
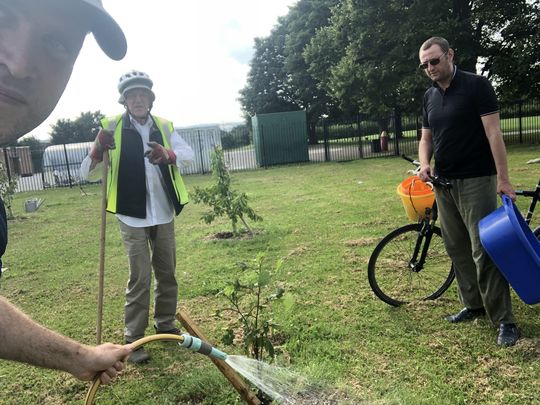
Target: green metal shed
{"points": [[280, 138]]}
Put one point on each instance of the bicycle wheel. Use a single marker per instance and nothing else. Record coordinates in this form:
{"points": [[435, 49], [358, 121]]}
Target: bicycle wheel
{"points": [[391, 277]]}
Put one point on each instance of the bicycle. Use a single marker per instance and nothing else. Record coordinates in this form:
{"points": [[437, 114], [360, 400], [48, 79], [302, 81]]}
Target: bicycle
{"points": [[535, 197], [411, 263]]}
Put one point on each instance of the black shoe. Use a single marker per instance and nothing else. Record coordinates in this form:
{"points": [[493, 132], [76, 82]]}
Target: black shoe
{"points": [[465, 314], [139, 356], [508, 334], [173, 331]]}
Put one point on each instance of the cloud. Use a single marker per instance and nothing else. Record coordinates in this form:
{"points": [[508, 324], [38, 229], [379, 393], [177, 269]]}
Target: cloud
{"points": [[243, 55]]}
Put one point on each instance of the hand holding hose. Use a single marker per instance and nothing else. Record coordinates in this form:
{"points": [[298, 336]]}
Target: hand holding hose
{"points": [[103, 362], [189, 342]]}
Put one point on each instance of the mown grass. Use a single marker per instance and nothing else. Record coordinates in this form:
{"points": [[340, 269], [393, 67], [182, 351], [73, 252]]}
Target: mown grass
{"points": [[323, 220]]}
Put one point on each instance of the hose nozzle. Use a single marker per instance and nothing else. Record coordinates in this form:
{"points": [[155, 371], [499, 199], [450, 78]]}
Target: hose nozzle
{"points": [[197, 345]]}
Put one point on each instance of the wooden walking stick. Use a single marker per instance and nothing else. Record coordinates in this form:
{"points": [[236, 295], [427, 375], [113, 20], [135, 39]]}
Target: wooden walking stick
{"points": [[102, 243]]}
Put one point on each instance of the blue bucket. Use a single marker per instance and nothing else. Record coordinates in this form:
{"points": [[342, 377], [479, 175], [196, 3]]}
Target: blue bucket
{"points": [[514, 249]]}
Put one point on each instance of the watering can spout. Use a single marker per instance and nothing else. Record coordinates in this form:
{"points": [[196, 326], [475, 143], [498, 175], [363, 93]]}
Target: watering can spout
{"points": [[197, 345]]}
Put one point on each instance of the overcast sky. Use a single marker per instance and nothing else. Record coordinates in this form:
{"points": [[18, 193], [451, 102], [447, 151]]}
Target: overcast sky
{"points": [[197, 53]]}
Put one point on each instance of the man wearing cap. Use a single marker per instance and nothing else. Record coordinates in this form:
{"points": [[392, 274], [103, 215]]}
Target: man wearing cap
{"points": [[145, 190], [39, 43]]}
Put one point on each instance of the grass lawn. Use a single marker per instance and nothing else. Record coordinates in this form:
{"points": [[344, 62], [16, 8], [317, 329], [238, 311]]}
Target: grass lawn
{"points": [[323, 220]]}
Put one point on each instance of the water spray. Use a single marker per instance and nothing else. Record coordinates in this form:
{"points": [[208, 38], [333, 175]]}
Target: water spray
{"points": [[189, 342], [278, 383]]}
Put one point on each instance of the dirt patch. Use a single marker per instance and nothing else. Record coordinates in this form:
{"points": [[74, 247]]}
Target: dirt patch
{"points": [[361, 242], [298, 251], [227, 235]]}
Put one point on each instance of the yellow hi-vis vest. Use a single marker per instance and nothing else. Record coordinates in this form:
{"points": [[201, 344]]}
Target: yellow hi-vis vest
{"points": [[114, 124]]}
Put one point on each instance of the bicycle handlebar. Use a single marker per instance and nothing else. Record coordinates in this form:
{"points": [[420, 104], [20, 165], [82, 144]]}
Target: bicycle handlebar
{"points": [[527, 193], [437, 181], [415, 162]]}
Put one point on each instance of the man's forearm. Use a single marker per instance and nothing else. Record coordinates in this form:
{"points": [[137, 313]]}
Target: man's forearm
{"points": [[24, 340], [425, 149], [492, 128], [498, 150]]}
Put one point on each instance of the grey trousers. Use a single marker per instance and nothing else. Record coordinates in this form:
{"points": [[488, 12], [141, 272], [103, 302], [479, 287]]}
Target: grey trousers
{"points": [[480, 283], [149, 248]]}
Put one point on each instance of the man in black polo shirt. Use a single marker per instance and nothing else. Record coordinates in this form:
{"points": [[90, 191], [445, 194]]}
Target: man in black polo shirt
{"points": [[461, 128]]}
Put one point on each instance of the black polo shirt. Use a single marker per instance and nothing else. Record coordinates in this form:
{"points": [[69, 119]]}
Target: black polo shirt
{"points": [[460, 145]]}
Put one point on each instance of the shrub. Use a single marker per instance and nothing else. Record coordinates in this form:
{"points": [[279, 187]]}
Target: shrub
{"points": [[7, 190], [222, 199], [249, 302]]}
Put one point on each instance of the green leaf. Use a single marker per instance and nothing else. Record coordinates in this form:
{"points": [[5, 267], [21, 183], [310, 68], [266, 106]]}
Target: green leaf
{"points": [[264, 278], [269, 347], [229, 290], [228, 337]]}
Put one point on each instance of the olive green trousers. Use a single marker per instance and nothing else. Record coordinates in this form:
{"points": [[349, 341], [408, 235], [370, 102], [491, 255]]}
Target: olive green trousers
{"points": [[480, 283], [147, 249]]}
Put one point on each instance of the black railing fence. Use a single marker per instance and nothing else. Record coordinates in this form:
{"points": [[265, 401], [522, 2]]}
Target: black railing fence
{"points": [[397, 133], [333, 140]]}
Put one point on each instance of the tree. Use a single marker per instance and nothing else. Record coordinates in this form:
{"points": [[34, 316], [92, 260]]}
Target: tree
{"points": [[36, 149], [236, 137], [222, 199], [375, 53], [83, 129], [32, 142], [250, 303], [512, 48], [267, 89], [278, 79], [302, 22], [374, 47]]}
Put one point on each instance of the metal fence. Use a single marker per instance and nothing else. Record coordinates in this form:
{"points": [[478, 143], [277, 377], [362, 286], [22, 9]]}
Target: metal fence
{"points": [[331, 140]]}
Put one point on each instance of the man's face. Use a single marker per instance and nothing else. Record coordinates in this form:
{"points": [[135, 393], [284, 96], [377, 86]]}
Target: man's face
{"points": [[441, 71], [39, 43], [138, 102]]}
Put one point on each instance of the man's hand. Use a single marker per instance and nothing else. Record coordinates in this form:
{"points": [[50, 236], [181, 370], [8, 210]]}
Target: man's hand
{"points": [[158, 155], [504, 187], [105, 361], [104, 141], [424, 172]]}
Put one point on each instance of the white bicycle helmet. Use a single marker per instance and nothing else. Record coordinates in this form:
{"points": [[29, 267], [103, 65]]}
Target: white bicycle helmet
{"points": [[134, 80]]}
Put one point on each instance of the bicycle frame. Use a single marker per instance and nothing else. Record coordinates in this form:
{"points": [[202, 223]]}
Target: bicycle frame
{"points": [[424, 239], [535, 195], [428, 223]]}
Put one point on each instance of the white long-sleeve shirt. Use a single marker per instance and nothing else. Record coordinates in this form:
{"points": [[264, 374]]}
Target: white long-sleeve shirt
{"points": [[159, 209]]}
